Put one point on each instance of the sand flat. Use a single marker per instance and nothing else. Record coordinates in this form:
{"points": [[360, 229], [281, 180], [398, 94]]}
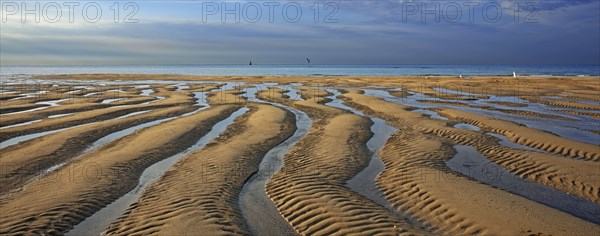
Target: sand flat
{"points": [[67, 196], [200, 192], [528, 136], [204, 185], [310, 191], [89, 116], [417, 181], [25, 161]]}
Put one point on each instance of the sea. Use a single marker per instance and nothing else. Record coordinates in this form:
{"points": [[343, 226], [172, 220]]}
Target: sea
{"points": [[8, 71]]}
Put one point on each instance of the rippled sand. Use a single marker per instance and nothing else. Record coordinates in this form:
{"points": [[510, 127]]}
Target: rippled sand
{"points": [[541, 131]]}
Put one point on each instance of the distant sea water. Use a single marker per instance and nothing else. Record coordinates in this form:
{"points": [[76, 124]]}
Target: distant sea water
{"points": [[310, 70]]}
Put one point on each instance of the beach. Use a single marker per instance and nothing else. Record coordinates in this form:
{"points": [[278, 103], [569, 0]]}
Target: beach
{"points": [[162, 154]]}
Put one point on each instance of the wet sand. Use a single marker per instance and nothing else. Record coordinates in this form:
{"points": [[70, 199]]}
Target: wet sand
{"points": [[440, 166]]}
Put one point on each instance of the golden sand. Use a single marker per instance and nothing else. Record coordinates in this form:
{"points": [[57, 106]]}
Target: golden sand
{"points": [[199, 194]]}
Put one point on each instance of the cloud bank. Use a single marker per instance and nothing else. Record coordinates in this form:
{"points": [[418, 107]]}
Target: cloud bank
{"points": [[342, 32]]}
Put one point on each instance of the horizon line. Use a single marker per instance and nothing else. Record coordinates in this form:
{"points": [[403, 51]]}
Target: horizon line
{"points": [[298, 64]]}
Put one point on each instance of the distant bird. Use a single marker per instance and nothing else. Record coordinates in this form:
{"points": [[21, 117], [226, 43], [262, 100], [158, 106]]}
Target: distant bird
{"points": [[460, 76], [308, 60], [250, 62], [514, 74]]}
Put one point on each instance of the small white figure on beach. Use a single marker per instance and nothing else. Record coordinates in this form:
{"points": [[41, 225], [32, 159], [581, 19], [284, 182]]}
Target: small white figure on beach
{"points": [[514, 74]]}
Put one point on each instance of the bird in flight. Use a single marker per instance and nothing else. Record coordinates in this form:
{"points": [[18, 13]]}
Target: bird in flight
{"points": [[308, 60]]}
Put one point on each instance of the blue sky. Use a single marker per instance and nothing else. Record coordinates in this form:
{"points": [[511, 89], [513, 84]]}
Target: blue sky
{"points": [[341, 32]]}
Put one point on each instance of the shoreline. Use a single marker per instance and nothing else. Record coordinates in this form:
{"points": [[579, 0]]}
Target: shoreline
{"points": [[355, 81], [205, 77], [312, 70]]}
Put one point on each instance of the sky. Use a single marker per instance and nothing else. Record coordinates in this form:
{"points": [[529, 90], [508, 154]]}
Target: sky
{"points": [[287, 32]]}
